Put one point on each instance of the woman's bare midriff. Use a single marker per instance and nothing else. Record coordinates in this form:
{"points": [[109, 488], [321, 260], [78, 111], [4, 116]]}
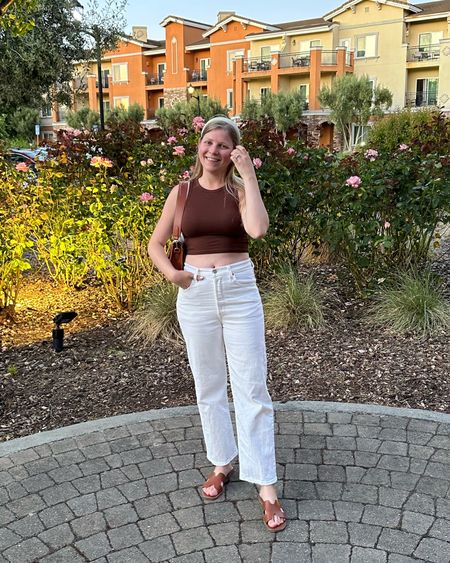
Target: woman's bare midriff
{"points": [[215, 260]]}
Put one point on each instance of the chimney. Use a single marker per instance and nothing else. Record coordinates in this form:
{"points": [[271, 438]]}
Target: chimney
{"points": [[223, 15], [139, 32]]}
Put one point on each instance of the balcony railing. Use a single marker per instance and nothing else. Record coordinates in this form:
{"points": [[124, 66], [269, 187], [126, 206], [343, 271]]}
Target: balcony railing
{"points": [[257, 64], [105, 82], [80, 84], [290, 60], [421, 99], [155, 79], [328, 58], [197, 75], [423, 53]]}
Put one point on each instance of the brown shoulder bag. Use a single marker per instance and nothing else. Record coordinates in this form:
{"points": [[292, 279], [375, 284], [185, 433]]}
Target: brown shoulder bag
{"points": [[177, 250]]}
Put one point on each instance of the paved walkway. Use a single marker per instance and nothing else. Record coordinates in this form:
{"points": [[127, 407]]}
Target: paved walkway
{"points": [[360, 484]]}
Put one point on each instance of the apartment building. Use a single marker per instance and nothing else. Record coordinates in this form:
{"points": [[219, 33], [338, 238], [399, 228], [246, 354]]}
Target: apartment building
{"points": [[402, 46]]}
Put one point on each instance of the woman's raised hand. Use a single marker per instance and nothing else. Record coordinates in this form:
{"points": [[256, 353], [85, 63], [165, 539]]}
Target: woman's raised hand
{"points": [[242, 161]]}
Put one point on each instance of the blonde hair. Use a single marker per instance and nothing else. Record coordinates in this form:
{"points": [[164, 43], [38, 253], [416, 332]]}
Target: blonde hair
{"points": [[233, 183]]}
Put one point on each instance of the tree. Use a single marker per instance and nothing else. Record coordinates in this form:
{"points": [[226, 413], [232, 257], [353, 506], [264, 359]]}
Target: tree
{"points": [[39, 63], [15, 15], [21, 123], [84, 118], [182, 113], [284, 108], [352, 101], [33, 63], [104, 24]]}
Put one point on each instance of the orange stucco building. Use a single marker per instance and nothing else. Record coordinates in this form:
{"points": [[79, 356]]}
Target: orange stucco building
{"points": [[397, 44]]}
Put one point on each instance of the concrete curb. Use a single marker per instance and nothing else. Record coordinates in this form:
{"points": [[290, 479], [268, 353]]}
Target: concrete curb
{"points": [[98, 425]]}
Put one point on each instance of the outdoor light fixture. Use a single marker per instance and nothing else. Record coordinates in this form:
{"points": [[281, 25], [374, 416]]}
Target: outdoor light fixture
{"points": [[58, 332], [191, 91]]}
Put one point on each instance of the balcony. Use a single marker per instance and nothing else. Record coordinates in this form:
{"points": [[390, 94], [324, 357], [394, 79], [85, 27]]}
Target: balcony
{"points": [[197, 75], [421, 99], [423, 53], [257, 64], [155, 79], [105, 82]]}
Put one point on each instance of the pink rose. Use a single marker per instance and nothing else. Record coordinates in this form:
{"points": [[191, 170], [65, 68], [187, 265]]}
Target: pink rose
{"points": [[171, 140], [198, 123], [178, 150], [22, 167], [353, 181], [146, 196], [257, 163], [150, 161], [403, 147], [291, 151], [185, 175], [182, 131], [371, 154], [387, 224]]}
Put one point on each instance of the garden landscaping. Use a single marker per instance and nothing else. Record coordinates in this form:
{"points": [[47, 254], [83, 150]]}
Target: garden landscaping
{"points": [[74, 236], [101, 373]]}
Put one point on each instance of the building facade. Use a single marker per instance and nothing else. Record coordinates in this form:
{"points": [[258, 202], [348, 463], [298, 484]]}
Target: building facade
{"points": [[402, 46]]}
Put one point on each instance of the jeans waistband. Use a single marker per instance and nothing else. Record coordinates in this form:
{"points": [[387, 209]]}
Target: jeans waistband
{"points": [[220, 271]]}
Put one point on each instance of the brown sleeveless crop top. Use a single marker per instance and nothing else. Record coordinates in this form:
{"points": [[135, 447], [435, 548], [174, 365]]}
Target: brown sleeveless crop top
{"points": [[212, 222]]}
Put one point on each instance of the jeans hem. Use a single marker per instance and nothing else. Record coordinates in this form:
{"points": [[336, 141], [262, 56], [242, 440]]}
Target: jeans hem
{"points": [[259, 483], [221, 464]]}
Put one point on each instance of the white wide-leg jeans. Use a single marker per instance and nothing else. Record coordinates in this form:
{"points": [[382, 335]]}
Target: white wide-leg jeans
{"points": [[222, 322]]}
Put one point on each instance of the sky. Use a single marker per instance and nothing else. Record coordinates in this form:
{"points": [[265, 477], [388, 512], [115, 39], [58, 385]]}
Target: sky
{"points": [[151, 13]]}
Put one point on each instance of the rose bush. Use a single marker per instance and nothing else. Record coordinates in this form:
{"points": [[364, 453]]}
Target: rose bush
{"points": [[91, 209]]}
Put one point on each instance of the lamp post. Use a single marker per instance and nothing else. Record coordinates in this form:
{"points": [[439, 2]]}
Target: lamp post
{"points": [[191, 91], [95, 32]]}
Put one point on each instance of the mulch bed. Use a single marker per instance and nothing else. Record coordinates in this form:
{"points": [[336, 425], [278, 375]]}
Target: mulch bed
{"points": [[101, 373]]}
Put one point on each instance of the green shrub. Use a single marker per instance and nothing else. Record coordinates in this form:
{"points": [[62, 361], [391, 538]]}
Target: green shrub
{"points": [[21, 123], [156, 316], [84, 118], [135, 113], [291, 302], [405, 126], [412, 303], [182, 113]]}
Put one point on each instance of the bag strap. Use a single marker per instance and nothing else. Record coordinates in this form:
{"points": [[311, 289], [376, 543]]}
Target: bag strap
{"points": [[183, 189]]}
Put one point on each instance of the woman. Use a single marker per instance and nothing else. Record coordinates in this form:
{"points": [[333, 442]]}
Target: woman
{"points": [[220, 313]]}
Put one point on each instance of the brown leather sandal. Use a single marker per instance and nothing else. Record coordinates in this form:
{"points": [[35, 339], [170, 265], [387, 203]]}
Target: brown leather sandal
{"points": [[218, 480], [272, 509]]}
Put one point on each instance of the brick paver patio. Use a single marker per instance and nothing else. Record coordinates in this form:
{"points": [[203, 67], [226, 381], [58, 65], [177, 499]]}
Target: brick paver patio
{"points": [[360, 484]]}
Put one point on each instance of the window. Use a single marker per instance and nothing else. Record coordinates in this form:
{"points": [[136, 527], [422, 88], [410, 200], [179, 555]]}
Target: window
{"points": [[426, 91], [304, 93], [359, 134], [204, 65], [232, 56], [62, 113], [429, 44], [174, 55], [345, 43], [46, 111], [120, 72], [306, 45], [366, 46], [264, 92], [230, 98], [266, 53], [160, 102], [106, 106], [122, 101], [161, 70]]}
